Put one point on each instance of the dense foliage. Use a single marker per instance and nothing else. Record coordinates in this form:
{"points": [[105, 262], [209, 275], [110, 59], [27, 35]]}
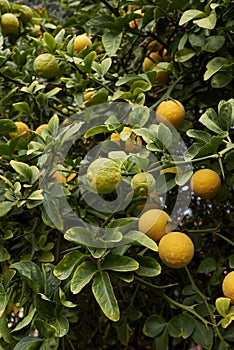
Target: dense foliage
{"points": [[66, 284]]}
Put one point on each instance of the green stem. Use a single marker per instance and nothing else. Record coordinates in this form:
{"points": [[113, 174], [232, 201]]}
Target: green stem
{"points": [[211, 315], [111, 8], [167, 93], [190, 309]]}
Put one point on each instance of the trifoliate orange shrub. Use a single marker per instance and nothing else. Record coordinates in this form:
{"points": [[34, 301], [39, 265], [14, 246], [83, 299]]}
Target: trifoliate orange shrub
{"points": [[155, 223], [23, 130], [176, 250], [228, 286], [46, 66], [205, 183], [171, 112]]}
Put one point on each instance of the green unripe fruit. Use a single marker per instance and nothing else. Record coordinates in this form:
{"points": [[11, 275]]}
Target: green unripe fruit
{"points": [[46, 66]]}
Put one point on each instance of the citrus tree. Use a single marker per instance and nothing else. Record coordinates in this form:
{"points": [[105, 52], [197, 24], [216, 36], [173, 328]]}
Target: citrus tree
{"points": [[116, 175]]}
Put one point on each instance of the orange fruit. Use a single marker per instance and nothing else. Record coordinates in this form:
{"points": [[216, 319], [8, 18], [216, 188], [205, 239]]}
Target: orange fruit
{"points": [[205, 183], [155, 223], [23, 130]]}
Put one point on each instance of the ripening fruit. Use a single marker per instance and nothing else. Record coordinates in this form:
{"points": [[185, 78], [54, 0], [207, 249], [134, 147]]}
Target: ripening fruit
{"points": [[155, 223], [103, 175], [88, 94], [170, 112], [9, 23], [154, 45], [58, 177], [176, 250], [163, 76], [40, 127], [153, 59], [205, 183], [142, 184], [135, 22], [26, 14], [4, 6], [228, 286], [46, 66], [81, 42], [23, 130]]}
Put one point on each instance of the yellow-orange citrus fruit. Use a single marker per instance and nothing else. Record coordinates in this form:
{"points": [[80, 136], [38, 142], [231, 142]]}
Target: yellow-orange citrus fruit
{"points": [[23, 130], [40, 127], [9, 23], [205, 183], [81, 41], [170, 112], [154, 45], [153, 59], [132, 144], [46, 66], [103, 175], [155, 223], [163, 76], [135, 22], [176, 250], [88, 94], [26, 14], [58, 177], [4, 6], [228, 286]]}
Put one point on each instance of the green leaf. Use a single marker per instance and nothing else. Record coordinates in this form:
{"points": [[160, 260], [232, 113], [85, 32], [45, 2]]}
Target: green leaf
{"points": [[45, 307], [203, 335], [82, 276], [231, 261], [3, 299], [22, 169], [31, 273], [165, 135], [4, 329], [221, 80], [213, 66], [181, 326], [4, 255], [88, 61], [7, 126], [189, 15], [26, 321], [210, 120], [28, 343], [140, 238], [162, 341], [213, 43], [103, 292], [119, 263], [99, 129], [52, 92], [111, 42], [207, 22], [184, 55], [105, 65], [207, 265], [200, 135], [148, 266], [61, 325], [49, 41], [65, 267], [222, 305], [5, 207], [60, 36], [154, 325], [226, 114], [45, 329], [22, 107], [51, 282]]}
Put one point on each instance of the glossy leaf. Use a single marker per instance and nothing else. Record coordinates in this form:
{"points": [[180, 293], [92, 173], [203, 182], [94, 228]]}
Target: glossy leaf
{"points": [[66, 265], [104, 294], [31, 273], [119, 263], [82, 276], [154, 325]]}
